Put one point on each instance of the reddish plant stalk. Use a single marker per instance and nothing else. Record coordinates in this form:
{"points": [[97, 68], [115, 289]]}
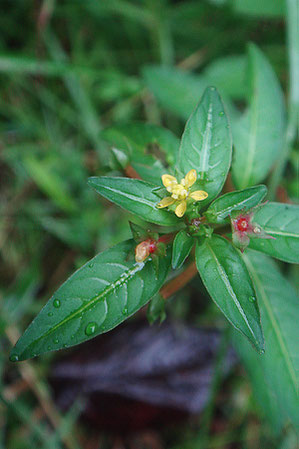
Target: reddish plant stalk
{"points": [[179, 281]]}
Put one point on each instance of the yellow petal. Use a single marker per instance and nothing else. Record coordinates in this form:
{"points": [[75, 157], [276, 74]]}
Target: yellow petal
{"points": [[181, 209], [199, 195], [190, 178], [167, 201], [168, 180]]}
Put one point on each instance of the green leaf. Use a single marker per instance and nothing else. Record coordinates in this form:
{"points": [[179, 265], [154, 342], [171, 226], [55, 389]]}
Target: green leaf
{"points": [[228, 75], [135, 196], [245, 199], [19, 64], [144, 145], [182, 246], [178, 91], [227, 280], [50, 182], [280, 221], [252, 361], [266, 8], [96, 298], [279, 307], [259, 133], [206, 144], [143, 138]]}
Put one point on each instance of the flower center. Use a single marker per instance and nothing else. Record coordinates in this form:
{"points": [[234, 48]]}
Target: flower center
{"points": [[178, 191], [242, 224]]}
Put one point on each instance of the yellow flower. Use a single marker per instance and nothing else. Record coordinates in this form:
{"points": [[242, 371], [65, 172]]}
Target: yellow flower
{"points": [[180, 192]]}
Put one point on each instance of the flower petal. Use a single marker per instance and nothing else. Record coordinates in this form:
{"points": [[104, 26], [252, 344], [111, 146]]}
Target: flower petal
{"points": [[167, 201], [190, 178], [199, 195], [167, 180], [181, 209]]}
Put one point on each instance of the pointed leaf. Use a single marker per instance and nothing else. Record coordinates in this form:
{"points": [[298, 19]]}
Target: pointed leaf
{"points": [[135, 196], [259, 133], [96, 298], [281, 221], [245, 199], [182, 246], [206, 144], [279, 307], [227, 280]]}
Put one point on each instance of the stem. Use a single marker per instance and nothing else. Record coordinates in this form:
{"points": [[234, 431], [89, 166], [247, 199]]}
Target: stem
{"points": [[167, 238], [130, 172], [179, 281]]}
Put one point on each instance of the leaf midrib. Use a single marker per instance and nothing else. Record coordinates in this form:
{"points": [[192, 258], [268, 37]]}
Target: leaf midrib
{"points": [[232, 293], [123, 278], [206, 144], [235, 206], [131, 197]]}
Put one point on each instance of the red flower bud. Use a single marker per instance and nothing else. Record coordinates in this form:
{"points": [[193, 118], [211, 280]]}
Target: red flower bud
{"points": [[243, 228]]}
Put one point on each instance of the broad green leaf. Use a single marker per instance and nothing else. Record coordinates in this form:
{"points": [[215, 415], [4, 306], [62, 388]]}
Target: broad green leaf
{"points": [[228, 76], [182, 246], [259, 133], [144, 144], [265, 8], [135, 196], [178, 91], [148, 167], [143, 138], [206, 144], [281, 221], [227, 280], [245, 199], [279, 307], [96, 298]]}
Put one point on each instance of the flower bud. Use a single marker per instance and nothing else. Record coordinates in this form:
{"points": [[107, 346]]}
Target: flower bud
{"points": [[144, 249]]}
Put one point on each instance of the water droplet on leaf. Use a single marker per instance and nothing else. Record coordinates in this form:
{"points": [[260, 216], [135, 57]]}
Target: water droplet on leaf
{"points": [[56, 303], [50, 313], [221, 113], [91, 265], [14, 358], [125, 311], [90, 328], [251, 298], [56, 341]]}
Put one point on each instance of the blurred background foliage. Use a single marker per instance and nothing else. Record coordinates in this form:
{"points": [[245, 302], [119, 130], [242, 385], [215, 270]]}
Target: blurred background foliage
{"points": [[68, 70]]}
